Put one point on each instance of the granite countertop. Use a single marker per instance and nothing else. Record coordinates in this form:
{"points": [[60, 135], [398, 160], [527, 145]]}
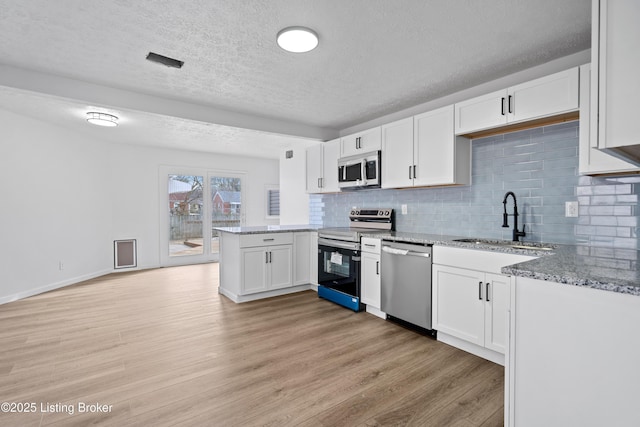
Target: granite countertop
{"points": [[259, 229], [609, 269]]}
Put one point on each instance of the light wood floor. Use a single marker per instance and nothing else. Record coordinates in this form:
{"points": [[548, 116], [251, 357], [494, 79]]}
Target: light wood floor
{"points": [[163, 348]]}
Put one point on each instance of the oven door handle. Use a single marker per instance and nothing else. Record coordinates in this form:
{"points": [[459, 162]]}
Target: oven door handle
{"points": [[354, 246]]}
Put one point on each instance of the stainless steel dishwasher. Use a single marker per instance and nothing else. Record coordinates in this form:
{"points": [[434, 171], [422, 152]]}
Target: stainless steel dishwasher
{"points": [[405, 272]]}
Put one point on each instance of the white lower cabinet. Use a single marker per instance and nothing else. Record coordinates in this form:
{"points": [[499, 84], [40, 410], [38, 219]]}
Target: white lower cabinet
{"points": [[370, 268], [471, 305], [370, 275], [254, 266], [573, 356], [301, 258], [266, 268], [471, 299]]}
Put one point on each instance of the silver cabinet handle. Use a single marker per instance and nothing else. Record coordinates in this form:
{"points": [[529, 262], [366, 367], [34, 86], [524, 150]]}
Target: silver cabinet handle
{"points": [[510, 110], [268, 240], [480, 290], [378, 268], [409, 171], [266, 257], [502, 104]]}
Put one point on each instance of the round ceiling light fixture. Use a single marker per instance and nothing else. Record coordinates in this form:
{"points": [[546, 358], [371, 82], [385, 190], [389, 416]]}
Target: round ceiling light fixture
{"points": [[102, 119], [297, 39]]}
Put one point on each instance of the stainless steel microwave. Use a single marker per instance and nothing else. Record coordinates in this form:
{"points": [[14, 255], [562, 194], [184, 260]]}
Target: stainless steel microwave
{"points": [[359, 171]]}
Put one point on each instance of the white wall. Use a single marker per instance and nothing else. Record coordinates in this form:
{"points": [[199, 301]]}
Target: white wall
{"points": [[294, 200], [136, 212], [56, 207], [66, 198]]}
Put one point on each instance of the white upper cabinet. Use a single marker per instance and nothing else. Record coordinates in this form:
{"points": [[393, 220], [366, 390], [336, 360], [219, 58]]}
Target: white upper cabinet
{"points": [[544, 97], [397, 154], [615, 90], [423, 151], [361, 142], [322, 167], [442, 158], [314, 169], [592, 160], [330, 154], [483, 112]]}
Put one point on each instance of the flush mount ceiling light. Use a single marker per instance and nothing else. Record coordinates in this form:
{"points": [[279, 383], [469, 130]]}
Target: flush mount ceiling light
{"points": [[297, 39], [102, 119]]}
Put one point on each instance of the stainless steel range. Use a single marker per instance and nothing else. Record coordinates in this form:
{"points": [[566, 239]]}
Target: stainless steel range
{"points": [[339, 255]]}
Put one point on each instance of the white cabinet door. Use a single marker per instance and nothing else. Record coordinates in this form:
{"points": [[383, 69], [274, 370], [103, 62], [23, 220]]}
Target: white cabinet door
{"points": [[398, 166], [370, 279], [254, 270], [592, 160], [458, 303], [483, 112], [301, 258], [314, 164], [616, 60], [331, 152], [361, 142], [441, 158], [265, 268], [280, 266], [546, 96], [496, 295]]}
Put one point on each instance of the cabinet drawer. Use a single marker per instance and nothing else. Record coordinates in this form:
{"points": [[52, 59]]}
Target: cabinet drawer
{"points": [[371, 245], [267, 239]]}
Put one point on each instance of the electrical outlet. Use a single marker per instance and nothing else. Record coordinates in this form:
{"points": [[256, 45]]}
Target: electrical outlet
{"points": [[404, 209], [61, 266], [571, 209]]}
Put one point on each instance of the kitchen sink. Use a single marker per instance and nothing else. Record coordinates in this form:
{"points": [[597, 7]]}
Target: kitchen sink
{"points": [[510, 244]]}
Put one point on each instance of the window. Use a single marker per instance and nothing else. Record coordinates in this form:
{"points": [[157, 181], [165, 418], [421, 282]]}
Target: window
{"points": [[273, 202]]}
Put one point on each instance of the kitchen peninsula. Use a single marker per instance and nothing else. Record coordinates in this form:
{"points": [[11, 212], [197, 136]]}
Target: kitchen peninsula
{"points": [[266, 261]]}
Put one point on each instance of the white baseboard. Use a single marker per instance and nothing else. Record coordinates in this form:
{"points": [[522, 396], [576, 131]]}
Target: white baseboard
{"points": [[485, 353], [53, 286], [261, 295], [376, 312]]}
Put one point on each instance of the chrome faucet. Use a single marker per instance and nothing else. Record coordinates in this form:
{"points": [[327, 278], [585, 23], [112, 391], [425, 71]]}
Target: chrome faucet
{"points": [[505, 217]]}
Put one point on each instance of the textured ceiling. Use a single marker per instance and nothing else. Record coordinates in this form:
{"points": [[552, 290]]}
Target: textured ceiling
{"points": [[375, 57]]}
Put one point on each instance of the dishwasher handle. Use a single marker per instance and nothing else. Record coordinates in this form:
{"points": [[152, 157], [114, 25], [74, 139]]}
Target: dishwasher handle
{"points": [[404, 252]]}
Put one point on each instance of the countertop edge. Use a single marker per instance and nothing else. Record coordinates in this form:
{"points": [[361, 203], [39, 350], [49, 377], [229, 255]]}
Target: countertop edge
{"points": [[562, 258]]}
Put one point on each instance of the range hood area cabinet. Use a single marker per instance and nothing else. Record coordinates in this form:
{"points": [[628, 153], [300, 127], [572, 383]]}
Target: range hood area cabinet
{"points": [[361, 142], [615, 88], [322, 167], [547, 96], [423, 151]]}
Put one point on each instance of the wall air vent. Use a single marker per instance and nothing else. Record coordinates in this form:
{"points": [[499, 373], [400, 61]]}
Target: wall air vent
{"points": [[124, 253], [164, 60]]}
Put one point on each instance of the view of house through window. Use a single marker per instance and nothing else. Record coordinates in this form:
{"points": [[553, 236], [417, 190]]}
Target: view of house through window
{"points": [[188, 207], [226, 197], [185, 215]]}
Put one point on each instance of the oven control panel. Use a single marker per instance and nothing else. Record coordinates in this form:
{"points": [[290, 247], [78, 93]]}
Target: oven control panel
{"points": [[363, 214]]}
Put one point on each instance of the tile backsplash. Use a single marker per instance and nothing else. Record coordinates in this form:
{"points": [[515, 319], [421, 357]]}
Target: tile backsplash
{"points": [[540, 166]]}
